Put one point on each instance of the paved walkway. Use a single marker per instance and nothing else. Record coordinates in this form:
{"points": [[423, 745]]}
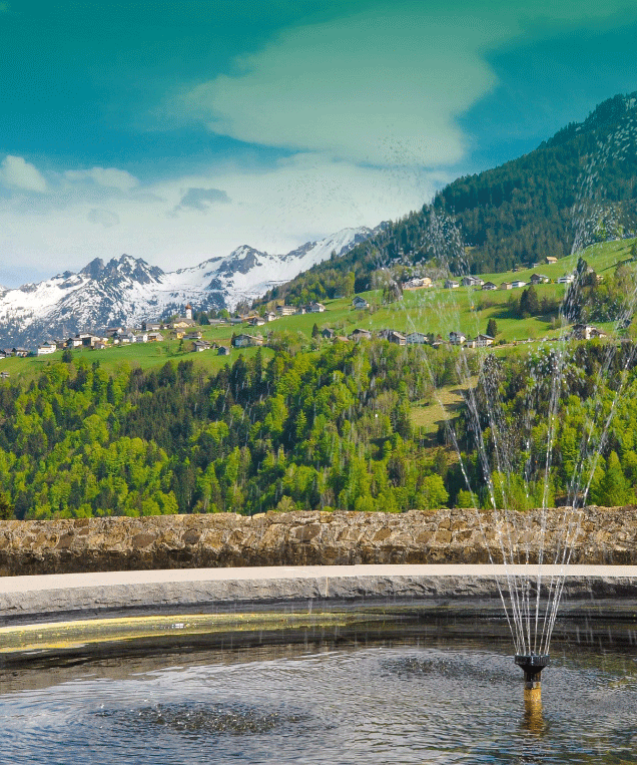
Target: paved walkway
{"points": [[56, 582], [59, 596]]}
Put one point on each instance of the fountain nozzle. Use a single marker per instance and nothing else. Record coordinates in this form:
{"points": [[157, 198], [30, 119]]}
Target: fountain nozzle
{"points": [[532, 665]]}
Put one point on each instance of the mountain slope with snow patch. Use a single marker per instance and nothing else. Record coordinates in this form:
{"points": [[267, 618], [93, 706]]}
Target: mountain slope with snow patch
{"points": [[129, 290]]}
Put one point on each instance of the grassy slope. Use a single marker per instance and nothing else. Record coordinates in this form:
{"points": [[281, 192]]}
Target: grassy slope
{"points": [[427, 415], [430, 310]]}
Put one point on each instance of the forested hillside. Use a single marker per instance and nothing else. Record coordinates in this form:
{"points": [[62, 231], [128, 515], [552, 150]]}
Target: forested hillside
{"points": [[326, 428], [597, 384], [579, 187], [323, 429]]}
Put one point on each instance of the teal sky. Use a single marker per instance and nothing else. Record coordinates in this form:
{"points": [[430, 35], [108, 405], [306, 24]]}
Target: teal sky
{"points": [[178, 131]]}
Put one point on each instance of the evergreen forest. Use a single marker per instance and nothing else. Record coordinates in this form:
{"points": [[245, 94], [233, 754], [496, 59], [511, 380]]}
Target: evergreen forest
{"points": [[324, 428]]}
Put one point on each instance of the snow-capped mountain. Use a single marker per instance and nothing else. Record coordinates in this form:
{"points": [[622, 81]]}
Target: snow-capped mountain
{"points": [[128, 290]]}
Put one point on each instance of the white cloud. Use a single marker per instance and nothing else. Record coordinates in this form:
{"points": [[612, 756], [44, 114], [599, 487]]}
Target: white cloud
{"points": [[108, 177], [384, 86], [379, 89], [17, 173], [103, 217], [302, 198]]}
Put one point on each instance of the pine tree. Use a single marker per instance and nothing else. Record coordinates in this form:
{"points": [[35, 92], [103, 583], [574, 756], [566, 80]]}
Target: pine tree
{"points": [[529, 302], [315, 331], [492, 328]]}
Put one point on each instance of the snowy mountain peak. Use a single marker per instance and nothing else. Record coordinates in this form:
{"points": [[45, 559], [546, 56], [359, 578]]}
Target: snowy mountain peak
{"points": [[128, 290], [242, 260], [93, 270], [126, 267]]}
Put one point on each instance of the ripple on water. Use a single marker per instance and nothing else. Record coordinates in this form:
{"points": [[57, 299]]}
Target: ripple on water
{"points": [[235, 719]]}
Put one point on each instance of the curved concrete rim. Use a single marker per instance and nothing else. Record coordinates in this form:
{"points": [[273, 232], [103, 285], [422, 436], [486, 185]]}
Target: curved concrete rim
{"points": [[58, 596], [40, 582]]}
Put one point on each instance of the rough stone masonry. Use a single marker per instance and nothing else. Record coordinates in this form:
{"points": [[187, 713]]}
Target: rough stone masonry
{"points": [[604, 536]]}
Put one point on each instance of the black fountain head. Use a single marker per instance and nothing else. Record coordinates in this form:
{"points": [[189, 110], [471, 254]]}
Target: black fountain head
{"points": [[532, 664]]}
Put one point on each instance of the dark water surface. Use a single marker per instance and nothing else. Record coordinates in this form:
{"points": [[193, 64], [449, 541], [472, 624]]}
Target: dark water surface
{"points": [[400, 702]]}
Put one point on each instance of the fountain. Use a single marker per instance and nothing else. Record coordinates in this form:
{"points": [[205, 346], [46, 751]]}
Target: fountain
{"points": [[501, 481]]}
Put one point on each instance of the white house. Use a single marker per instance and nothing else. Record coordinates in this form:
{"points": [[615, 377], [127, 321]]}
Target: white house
{"points": [[315, 308], [457, 338], [517, 284], [46, 348], [586, 332], [359, 303], [450, 284], [286, 310], [489, 286], [566, 279], [482, 341], [417, 338]]}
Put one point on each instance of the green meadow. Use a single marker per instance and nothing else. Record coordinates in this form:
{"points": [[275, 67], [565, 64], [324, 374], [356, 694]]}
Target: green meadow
{"points": [[432, 310]]}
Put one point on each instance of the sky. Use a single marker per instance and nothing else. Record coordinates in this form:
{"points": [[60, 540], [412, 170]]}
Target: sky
{"points": [[177, 131]]}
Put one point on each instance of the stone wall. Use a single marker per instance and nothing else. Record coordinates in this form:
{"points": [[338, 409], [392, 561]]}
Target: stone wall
{"points": [[606, 536]]}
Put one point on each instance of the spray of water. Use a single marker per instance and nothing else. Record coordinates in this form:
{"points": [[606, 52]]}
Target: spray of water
{"points": [[510, 452]]}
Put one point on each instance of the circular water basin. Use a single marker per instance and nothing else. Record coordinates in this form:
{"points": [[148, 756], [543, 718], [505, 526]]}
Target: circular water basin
{"points": [[428, 700]]}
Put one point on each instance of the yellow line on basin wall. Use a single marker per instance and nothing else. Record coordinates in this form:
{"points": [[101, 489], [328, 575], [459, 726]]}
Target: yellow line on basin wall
{"points": [[65, 635]]}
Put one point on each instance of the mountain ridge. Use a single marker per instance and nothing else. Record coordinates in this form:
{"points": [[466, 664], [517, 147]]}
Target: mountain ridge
{"points": [[127, 290]]}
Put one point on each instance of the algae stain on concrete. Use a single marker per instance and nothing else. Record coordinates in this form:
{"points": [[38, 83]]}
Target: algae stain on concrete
{"points": [[61, 636]]}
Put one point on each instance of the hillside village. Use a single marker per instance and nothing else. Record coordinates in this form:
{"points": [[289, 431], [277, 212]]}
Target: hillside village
{"points": [[247, 327]]}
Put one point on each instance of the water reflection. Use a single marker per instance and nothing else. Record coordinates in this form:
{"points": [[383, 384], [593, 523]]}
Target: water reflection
{"points": [[533, 720]]}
